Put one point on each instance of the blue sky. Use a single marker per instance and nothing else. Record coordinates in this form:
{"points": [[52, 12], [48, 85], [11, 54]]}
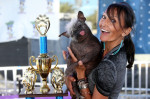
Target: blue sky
{"points": [[88, 6]]}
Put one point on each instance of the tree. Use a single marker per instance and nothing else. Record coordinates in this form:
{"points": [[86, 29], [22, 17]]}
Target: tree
{"points": [[66, 8], [93, 19]]}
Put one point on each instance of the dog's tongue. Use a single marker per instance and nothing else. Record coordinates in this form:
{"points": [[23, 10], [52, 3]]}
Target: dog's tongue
{"points": [[82, 33]]}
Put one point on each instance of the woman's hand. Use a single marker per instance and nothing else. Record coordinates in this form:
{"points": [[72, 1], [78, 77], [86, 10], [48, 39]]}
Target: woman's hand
{"points": [[74, 59], [69, 79], [80, 69], [68, 82]]}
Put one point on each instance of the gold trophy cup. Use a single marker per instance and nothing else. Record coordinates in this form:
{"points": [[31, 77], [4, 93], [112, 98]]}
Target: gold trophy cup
{"points": [[43, 64], [43, 61]]}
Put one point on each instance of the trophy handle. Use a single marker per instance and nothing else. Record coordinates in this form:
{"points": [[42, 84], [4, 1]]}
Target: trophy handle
{"points": [[54, 60], [34, 60]]}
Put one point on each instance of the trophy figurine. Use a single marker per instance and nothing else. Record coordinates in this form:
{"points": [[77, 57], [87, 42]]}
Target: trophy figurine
{"points": [[43, 61], [29, 79], [57, 80]]}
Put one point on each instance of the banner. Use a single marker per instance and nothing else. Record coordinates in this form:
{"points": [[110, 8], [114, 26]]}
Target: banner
{"points": [[17, 18]]}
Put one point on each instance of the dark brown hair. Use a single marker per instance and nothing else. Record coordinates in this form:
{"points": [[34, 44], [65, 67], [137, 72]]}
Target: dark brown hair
{"points": [[129, 20]]}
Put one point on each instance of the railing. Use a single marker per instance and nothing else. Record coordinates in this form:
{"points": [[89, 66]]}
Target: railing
{"points": [[11, 87], [136, 86]]}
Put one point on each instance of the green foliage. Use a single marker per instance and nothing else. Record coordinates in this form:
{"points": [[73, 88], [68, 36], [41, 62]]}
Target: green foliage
{"points": [[10, 23], [93, 19], [66, 8]]}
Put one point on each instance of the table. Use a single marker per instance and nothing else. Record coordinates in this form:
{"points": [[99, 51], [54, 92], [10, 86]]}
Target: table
{"points": [[37, 93]]}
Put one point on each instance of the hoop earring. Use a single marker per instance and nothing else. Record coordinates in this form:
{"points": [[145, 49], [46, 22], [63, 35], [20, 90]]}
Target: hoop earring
{"points": [[118, 48]]}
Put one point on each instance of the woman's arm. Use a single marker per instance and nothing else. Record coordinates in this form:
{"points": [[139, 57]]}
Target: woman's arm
{"points": [[69, 79], [97, 95], [85, 91], [80, 69]]}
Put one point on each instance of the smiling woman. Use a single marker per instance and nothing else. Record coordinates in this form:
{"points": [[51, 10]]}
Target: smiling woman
{"points": [[106, 80], [111, 30]]}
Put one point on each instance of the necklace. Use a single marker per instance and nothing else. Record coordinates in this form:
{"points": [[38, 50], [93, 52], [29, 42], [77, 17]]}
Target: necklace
{"points": [[114, 53]]}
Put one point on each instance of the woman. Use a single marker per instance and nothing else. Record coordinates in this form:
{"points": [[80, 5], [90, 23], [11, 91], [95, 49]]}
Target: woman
{"points": [[107, 79]]}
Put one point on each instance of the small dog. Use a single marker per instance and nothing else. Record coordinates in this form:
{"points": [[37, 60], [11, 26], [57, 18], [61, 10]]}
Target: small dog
{"points": [[85, 46]]}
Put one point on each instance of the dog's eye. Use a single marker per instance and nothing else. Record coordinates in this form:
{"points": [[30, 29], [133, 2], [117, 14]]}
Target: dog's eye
{"points": [[79, 26]]}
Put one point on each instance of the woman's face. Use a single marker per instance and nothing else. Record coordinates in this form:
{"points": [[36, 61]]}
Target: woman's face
{"points": [[110, 28]]}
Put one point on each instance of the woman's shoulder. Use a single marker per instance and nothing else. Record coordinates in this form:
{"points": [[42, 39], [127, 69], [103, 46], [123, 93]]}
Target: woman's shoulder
{"points": [[118, 60], [105, 77]]}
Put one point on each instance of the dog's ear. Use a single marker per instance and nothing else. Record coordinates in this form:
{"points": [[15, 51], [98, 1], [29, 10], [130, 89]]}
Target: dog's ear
{"points": [[81, 16], [64, 34]]}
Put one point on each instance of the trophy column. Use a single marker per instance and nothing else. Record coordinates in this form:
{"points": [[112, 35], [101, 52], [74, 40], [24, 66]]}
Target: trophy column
{"points": [[43, 62]]}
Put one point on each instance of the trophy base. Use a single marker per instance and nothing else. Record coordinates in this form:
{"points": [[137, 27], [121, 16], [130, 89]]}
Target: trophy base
{"points": [[44, 89], [58, 91], [28, 92]]}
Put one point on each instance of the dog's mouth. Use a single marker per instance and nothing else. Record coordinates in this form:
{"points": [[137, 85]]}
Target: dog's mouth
{"points": [[82, 33]]}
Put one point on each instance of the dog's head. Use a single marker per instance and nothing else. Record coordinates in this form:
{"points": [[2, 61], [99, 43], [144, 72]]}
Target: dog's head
{"points": [[77, 29]]}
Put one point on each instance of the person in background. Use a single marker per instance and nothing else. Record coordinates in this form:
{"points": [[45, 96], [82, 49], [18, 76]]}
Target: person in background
{"points": [[107, 79]]}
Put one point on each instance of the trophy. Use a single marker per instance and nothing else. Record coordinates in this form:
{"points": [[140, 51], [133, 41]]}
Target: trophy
{"points": [[29, 79], [43, 61]]}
